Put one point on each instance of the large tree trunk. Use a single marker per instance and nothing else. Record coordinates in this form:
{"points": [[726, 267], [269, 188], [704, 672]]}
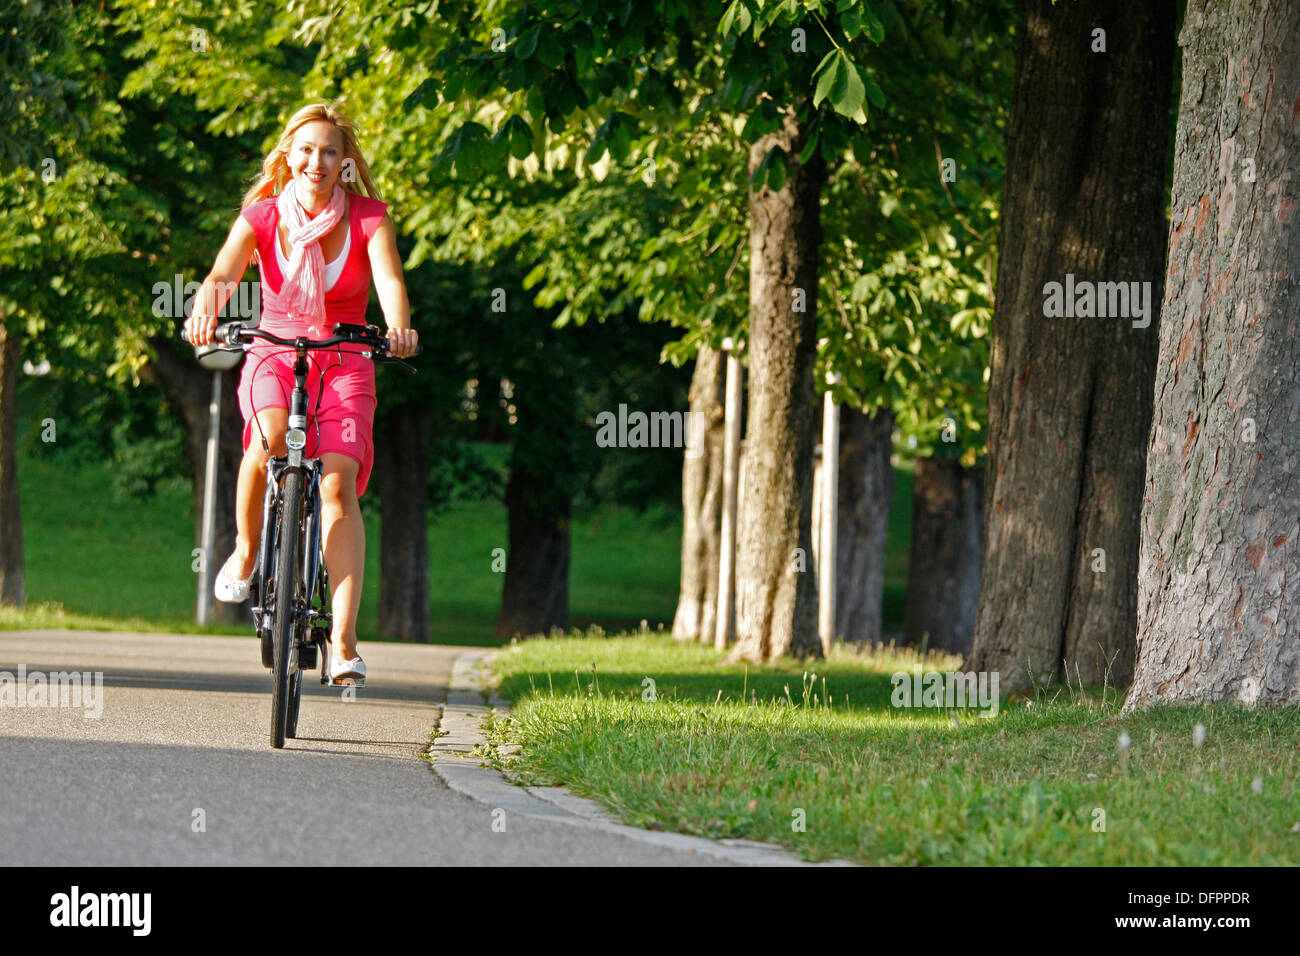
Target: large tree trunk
{"points": [[1219, 578], [1070, 398], [697, 603], [188, 386], [776, 598], [401, 474], [12, 572], [535, 597], [865, 493], [943, 577]]}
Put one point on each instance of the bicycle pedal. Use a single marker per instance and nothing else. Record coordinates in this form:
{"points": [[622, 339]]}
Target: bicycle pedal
{"points": [[347, 682]]}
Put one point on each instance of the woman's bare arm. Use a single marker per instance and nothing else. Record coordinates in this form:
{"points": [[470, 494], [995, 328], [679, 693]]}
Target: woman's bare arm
{"points": [[221, 282], [386, 266]]}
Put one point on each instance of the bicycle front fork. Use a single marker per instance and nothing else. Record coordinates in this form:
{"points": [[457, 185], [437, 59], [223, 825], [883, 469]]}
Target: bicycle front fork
{"points": [[309, 561]]}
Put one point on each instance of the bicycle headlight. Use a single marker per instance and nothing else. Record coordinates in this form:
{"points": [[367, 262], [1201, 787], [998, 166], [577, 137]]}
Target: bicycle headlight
{"points": [[296, 438]]}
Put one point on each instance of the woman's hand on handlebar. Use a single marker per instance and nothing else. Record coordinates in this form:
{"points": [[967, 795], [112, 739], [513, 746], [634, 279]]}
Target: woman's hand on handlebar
{"points": [[402, 342], [199, 328]]}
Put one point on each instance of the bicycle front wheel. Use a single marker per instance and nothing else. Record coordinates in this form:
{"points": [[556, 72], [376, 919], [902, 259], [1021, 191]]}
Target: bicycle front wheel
{"points": [[286, 601], [295, 701]]}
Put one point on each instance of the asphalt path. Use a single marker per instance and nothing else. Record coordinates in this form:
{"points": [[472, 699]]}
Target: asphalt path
{"points": [[178, 769]]}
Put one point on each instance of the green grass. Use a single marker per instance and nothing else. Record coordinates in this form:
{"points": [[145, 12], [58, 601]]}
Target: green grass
{"points": [[730, 751], [98, 561]]}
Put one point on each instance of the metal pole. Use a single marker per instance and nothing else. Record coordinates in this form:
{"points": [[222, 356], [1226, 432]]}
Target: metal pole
{"points": [[730, 482], [829, 521], [209, 502]]}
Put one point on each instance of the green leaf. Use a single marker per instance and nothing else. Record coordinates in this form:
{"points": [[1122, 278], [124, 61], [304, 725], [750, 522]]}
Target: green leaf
{"points": [[535, 275], [874, 92], [778, 170], [839, 81], [728, 18], [455, 84], [581, 41], [771, 171], [875, 29], [426, 94], [762, 121], [852, 22], [809, 147], [737, 14], [611, 136], [517, 136], [550, 50], [527, 43], [620, 137]]}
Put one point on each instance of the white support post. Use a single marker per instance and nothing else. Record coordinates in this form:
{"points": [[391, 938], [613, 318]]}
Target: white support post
{"points": [[730, 490], [830, 473], [206, 572]]}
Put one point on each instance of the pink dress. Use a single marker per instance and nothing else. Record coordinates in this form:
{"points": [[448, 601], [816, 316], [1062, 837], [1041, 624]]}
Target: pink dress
{"points": [[345, 421]]}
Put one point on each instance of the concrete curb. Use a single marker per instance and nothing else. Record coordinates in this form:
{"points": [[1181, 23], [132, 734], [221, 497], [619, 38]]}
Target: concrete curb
{"points": [[461, 717]]}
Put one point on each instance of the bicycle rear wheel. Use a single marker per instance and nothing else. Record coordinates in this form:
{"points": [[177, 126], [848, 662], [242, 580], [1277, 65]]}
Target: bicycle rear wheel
{"points": [[283, 633]]}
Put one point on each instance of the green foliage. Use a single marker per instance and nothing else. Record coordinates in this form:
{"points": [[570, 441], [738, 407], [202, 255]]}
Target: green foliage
{"points": [[131, 429], [35, 101], [144, 459], [68, 221], [910, 331], [602, 148], [461, 472]]}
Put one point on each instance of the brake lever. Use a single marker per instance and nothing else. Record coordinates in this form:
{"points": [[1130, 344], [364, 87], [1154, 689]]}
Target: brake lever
{"points": [[370, 353]]}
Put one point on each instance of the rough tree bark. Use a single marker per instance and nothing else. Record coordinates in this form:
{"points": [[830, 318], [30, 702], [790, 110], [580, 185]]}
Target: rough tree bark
{"points": [[776, 601], [865, 493], [1219, 592], [12, 569], [401, 475], [1070, 398], [943, 578], [697, 603], [188, 386]]}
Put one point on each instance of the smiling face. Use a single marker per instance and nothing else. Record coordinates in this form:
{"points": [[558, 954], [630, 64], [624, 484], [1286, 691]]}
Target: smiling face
{"points": [[315, 159]]}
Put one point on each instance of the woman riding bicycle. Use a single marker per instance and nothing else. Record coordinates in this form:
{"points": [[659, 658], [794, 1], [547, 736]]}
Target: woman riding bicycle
{"points": [[317, 240]]}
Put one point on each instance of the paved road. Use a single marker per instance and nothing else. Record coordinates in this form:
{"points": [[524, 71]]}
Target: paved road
{"points": [[185, 728]]}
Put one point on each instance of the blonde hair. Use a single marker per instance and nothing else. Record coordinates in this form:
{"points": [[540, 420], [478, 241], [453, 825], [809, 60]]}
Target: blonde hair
{"points": [[275, 168]]}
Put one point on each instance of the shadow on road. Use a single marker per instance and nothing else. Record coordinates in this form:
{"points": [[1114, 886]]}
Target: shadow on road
{"points": [[377, 689]]}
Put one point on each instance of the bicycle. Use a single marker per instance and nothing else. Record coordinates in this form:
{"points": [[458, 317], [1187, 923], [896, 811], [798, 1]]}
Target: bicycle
{"points": [[289, 594]]}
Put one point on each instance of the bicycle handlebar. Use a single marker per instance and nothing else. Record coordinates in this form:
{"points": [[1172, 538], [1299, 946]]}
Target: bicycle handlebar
{"points": [[232, 338]]}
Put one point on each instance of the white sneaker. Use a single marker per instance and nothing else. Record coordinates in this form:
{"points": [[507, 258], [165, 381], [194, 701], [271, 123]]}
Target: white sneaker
{"points": [[348, 672], [228, 588]]}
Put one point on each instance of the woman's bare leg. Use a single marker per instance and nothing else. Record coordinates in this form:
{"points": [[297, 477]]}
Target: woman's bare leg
{"points": [[252, 486], [345, 547]]}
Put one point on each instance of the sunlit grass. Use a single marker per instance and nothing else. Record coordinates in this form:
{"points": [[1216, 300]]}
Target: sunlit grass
{"points": [[49, 614], [730, 751]]}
